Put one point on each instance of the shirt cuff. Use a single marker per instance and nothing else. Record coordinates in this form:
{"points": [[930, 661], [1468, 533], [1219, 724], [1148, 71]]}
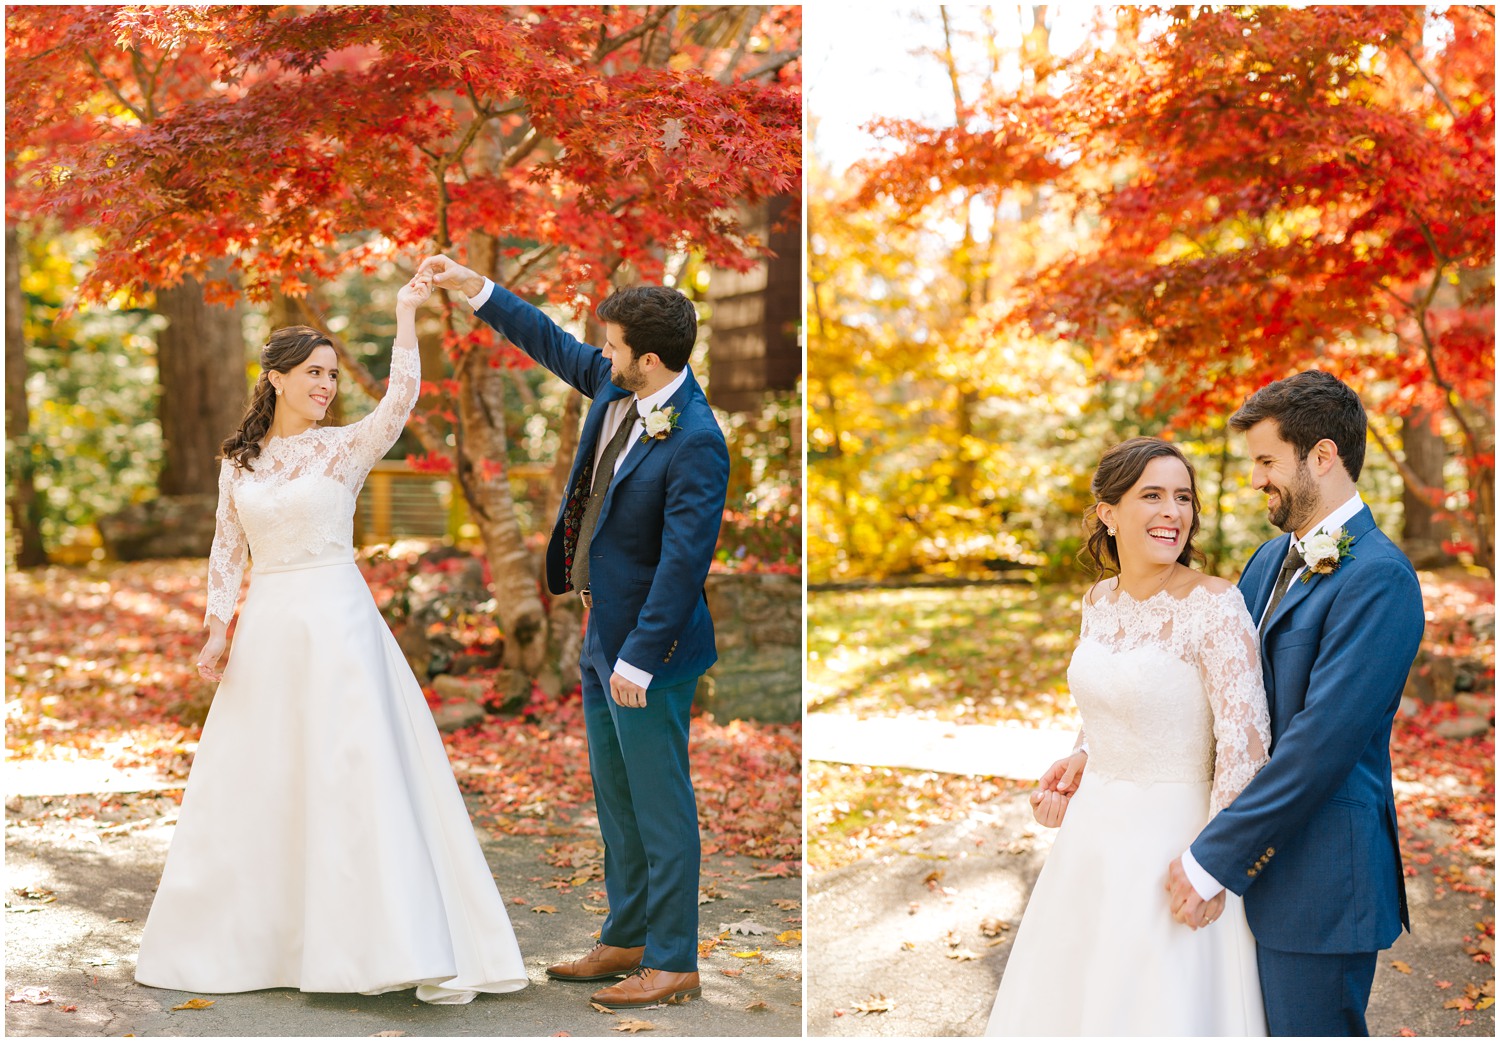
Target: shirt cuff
{"points": [[630, 673], [1207, 886], [478, 299]]}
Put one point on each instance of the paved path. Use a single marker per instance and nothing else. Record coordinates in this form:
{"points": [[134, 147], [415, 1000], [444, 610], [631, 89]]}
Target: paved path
{"points": [[925, 744], [78, 891], [883, 931]]}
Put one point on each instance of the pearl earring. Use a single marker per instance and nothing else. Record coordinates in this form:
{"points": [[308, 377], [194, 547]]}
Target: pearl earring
{"points": [[1111, 531]]}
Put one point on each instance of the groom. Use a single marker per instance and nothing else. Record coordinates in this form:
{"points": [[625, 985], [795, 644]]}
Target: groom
{"points": [[1311, 842], [634, 537]]}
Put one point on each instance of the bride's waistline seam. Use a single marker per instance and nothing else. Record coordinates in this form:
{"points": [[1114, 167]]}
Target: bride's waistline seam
{"points": [[270, 568]]}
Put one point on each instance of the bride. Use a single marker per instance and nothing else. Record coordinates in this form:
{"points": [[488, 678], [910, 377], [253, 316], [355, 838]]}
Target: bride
{"points": [[1167, 678], [322, 843]]}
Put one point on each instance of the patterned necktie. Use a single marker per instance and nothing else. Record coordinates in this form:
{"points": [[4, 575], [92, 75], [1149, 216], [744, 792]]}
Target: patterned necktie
{"points": [[604, 473], [1283, 581]]}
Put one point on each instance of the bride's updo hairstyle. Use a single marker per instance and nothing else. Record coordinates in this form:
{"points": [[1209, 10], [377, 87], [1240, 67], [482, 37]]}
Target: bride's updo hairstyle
{"points": [[286, 350], [1119, 469]]}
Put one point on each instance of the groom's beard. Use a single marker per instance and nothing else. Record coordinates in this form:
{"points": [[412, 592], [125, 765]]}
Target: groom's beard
{"points": [[1297, 504], [630, 379]]}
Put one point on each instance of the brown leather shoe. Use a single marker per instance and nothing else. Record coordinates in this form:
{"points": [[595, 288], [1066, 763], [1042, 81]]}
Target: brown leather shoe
{"points": [[601, 963], [647, 987]]}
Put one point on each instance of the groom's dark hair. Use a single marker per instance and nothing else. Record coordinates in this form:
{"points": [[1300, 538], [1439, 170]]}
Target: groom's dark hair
{"points": [[656, 320], [1307, 408]]}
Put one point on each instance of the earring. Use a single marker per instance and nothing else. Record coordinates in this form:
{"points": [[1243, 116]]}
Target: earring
{"points": [[1111, 531], [278, 394]]}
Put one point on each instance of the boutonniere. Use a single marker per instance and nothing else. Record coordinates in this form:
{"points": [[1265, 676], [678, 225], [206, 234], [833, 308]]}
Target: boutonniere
{"points": [[1324, 552], [659, 423]]}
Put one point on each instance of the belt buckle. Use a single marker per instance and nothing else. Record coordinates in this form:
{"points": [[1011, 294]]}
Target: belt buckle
{"points": [[587, 598]]}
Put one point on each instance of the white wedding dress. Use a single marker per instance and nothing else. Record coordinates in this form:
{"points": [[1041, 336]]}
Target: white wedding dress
{"points": [[322, 843], [1175, 714]]}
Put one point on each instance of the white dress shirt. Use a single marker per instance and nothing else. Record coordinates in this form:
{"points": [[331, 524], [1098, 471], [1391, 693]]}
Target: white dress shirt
{"points": [[1207, 886], [614, 412]]}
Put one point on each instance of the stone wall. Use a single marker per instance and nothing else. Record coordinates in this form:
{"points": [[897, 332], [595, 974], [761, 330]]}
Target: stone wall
{"points": [[758, 627]]}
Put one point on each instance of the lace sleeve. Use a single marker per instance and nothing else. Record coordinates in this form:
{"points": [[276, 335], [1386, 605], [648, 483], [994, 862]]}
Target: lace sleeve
{"points": [[372, 437], [226, 561], [1229, 663]]}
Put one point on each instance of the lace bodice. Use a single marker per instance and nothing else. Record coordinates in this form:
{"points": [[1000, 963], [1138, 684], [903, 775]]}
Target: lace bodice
{"points": [[297, 505], [1170, 690]]}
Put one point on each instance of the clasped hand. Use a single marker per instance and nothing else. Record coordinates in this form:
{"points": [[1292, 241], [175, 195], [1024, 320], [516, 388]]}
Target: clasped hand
{"points": [[1187, 907], [1049, 802]]}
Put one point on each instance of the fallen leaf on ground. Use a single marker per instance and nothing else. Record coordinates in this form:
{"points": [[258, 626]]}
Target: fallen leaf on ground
{"points": [[875, 1004], [737, 971], [122, 920], [1442, 985], [746, 955], [633, 1026], [545, 909], [964, 955], [747, 927], [993, 927], [1400, 967], [790, 937], [786, 904], [71, 1008], [933, 878], [196, 1004], [35, 996], [757, 1007], [601, 1009], [388, 1034]]}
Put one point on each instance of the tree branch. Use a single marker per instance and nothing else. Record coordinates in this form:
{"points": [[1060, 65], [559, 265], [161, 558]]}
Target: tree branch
{"points": [[612, 44], [110, 86], [1436, 88]]}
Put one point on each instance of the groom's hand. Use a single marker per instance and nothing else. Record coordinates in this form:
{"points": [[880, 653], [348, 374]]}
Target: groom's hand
{"points": [[1187, 907], [449, 274], [626, 693]]}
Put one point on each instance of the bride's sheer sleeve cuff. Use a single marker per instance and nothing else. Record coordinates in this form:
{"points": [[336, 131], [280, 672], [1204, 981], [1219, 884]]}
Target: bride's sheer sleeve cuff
{"points": [[1207, 886]]}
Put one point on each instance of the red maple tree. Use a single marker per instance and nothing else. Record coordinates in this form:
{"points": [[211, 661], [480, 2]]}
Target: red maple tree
{"points": [[551, 147], [1267, 189]]}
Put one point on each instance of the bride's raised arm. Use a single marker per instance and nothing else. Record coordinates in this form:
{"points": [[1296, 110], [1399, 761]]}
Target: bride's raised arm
{"points": [[1229, 663], [372, 437]]}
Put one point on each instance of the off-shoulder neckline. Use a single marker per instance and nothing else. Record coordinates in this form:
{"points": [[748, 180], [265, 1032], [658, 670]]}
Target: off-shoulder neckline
{"points": [[1122, 596]]}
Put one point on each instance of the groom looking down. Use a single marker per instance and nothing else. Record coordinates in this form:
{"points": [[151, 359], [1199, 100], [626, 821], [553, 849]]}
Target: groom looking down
{"points": [[1311, 842], [635, 536]]}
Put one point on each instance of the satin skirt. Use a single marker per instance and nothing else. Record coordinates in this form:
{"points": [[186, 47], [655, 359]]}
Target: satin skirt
{"points": [[323, 843], [1098, 952]]}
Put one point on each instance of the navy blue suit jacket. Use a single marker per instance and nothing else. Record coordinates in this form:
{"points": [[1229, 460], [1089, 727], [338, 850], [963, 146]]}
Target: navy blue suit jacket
{"points": [[659, 523], [1311, 843]]}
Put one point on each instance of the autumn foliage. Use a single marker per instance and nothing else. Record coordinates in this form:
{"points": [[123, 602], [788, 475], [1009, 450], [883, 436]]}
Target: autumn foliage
{"points": [[558, 149], [1250, 191]]}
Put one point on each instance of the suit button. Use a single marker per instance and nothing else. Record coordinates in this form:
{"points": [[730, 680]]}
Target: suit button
{"points": [[1270, 852], [1252, 872]]}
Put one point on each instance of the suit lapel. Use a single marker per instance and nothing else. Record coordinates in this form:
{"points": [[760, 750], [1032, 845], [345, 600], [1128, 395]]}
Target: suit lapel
{"points": [[593, 424], [639, 450], [1267, 582], [1356, 527]]}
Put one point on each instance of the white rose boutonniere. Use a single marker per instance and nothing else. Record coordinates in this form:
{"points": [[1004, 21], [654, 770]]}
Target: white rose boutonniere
{"points": [[1324, 552], [659, 423]]}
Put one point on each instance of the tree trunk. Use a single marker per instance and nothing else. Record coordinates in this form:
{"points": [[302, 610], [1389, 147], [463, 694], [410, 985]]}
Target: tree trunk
{"points": [[482, 474], [1422, 535], [25, 513], [201, 361]]}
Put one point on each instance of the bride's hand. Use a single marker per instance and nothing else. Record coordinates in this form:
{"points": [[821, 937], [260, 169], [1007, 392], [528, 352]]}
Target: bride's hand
{"points": [[1048, 807], [208, 658], [1064, 775], [412, 295]]}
